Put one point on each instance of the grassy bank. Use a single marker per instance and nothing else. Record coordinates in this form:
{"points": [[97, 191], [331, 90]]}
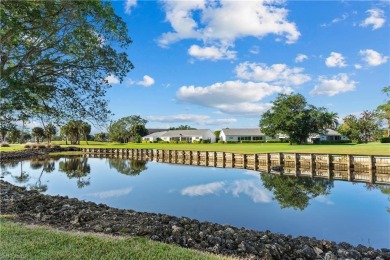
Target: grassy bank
{"points": [[19, 241], [366, 149]]}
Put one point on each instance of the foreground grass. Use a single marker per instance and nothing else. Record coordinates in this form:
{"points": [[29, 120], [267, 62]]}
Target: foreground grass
{"points": [[365, 149], [19, 241]]}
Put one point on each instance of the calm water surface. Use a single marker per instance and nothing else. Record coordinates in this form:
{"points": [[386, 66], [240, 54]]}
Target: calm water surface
{"points": [[356, 213]]}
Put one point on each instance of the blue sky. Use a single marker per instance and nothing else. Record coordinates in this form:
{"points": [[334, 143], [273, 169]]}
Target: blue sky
{"points": [[217, 64]]}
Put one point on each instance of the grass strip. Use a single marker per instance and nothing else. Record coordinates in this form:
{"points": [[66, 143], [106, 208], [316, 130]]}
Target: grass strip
{"points": [[19, 241], [375, 148]]}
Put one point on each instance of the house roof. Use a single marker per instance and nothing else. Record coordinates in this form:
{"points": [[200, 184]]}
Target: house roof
{"points": [[243, 131], [332, 132], [329, 132], [186, 133], [155, 134], [154, 130]]}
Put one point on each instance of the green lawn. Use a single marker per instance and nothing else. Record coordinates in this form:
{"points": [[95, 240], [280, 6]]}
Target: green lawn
{"points": [[366, 149], [19, 241]]}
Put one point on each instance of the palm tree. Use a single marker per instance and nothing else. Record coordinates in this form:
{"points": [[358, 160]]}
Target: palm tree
{"points": [[50, 130], [334, 119], [85, 130]]}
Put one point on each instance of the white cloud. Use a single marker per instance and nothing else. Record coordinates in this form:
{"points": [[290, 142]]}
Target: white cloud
{"points": [[376, 19], [146, 82], [211, 53], [230, 96], [251, 188], [324, 200], [336, 20], [339, 19], [277, 73], [255, 49], [373, 58], [335, 60], [337, 84], [111, 193], [130, 4], [198, 119], [112, 80], [301, 57], [221, 23], [358, 66], [204, 189]]}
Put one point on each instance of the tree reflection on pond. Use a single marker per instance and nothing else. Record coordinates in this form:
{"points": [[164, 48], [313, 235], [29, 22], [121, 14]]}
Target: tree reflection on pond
{"points": [[48, 165], [293, 192], [76, 167], [128, 167]]}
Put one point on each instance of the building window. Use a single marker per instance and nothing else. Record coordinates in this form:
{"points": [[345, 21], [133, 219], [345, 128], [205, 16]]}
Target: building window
{"points": [[244, 138], [256, 138]]}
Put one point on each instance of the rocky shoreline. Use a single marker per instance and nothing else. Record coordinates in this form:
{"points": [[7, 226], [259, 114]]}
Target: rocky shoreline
{"points": [[71, 214], [29, 153]]}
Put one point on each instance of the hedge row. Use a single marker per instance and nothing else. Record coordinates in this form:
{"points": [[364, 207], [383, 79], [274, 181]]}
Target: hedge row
{"points": [[385, 140]]}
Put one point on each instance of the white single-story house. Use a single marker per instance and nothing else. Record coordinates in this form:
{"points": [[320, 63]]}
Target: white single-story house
{"points": [[153, 137], [182, 135], [330, 135], [242, 134]]}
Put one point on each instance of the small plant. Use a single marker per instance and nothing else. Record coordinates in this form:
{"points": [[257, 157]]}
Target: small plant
{"points": [[27, 146], [5, 145]]}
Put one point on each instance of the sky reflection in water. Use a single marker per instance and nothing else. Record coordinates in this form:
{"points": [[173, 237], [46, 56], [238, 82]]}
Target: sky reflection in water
{"points": [[356, 213]]}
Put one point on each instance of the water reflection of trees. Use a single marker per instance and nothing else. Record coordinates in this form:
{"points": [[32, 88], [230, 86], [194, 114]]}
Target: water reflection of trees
{"points": [[385, 189], [48, 165], [293, 192], [76, 167], [127, 167]]}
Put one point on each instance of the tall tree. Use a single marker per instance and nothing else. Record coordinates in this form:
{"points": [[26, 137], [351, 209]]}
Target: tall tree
{"points": [[293, 116], [50, 131], [74, 129], [100, 137], [56, 56], [38, 133], [127, 128], [360, 130], [384, 109], [14, 135], [85, 130]]}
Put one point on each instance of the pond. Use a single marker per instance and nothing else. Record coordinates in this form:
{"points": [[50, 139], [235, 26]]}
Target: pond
{"points": [[357, 213]]}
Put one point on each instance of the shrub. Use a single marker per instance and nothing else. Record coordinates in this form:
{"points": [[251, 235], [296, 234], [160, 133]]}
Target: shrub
{"points": [[336, 142], [27, 146], [205, 141], [274, 141], [4, 145], [41, 146], [232, 142], [163, 142], [253, 142], [385, 140], [183, 142], [221, 142]]}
